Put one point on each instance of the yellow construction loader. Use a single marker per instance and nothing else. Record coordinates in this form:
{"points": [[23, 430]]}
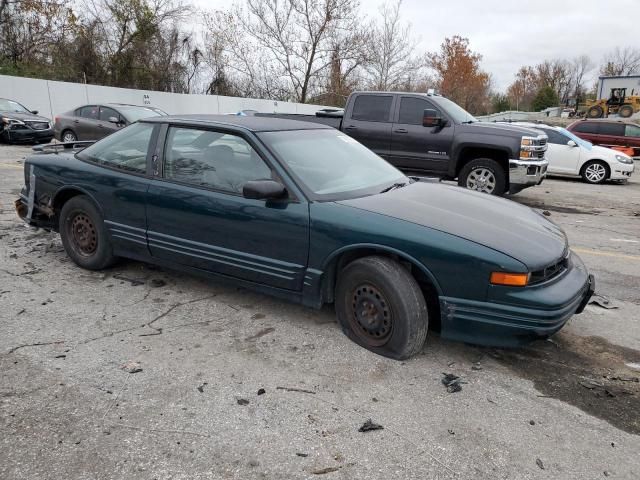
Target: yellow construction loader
{"points": [[618, 102]]}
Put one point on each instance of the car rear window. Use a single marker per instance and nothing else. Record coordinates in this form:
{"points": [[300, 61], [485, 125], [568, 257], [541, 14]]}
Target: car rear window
{"points": [[586, 127], [372, 108], [631, 131], [615, 129]]}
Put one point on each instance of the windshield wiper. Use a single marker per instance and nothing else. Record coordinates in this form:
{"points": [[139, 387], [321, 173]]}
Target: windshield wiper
{"points": [[394, 186]]}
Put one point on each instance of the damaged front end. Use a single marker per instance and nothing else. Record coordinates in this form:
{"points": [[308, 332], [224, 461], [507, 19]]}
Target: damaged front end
{"points": [[35, 210]]}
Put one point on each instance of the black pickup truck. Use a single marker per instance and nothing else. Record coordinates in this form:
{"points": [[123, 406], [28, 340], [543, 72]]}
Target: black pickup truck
{"points": [[429, 135]]}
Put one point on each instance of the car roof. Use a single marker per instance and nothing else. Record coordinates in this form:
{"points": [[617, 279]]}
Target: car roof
{"points": [[606, 120], [530, 124], [254, 124]]}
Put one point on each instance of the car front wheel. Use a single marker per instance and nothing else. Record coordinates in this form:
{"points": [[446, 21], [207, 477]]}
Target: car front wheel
{"points": [[69, 136], [595, 172], [84, 235], [380, 307]]}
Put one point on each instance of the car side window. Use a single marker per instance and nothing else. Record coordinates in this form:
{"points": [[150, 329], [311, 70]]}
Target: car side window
{"points": [[555, 137], [90, 111], [216, 160], [616, 129], [125, 150], [372, 108], [412, 110], [586, 127], [106, 113], [631, 131]]}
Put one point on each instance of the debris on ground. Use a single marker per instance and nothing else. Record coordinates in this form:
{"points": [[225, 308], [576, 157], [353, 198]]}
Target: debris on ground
{"points": [[131, 367], [158, 283], [369, 426], [293, 389], [633, 366], [602, 301], [546, 213], [261, 391], [261, 333], [540, 464], [451, 432], [243, 401], [322, 471], [133, 281], [257, 316], [476, 366], [201, 387], [60, 356], [452, 382], [303, 455], [532, 422]]}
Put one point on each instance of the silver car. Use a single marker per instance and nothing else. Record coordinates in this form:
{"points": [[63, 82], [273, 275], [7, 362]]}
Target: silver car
{"points": [[93, 122]]}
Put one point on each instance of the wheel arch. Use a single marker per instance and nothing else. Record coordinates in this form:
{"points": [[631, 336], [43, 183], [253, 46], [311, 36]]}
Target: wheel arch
{"points": [[468, 152], [342, 257], [66, 193], [596, 160]]}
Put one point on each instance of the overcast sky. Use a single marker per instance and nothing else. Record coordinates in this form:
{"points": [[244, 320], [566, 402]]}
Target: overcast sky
{"points": [[512, 33]]}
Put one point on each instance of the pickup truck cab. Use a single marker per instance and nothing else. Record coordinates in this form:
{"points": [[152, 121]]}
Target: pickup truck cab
{"points": [[426, 134]]}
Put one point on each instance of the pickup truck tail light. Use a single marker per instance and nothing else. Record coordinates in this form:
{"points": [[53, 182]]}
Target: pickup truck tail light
{"points": [[510, 279]]}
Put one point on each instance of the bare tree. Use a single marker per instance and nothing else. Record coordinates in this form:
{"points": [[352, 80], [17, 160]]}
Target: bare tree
{"points": [[392, 58], [581, 67], [621, 62]]}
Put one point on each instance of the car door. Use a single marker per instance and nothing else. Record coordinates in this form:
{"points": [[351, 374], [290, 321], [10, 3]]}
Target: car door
{"points": [[118, 182], [563, 158], [197, 216], [368, 120], [415, 147], [105, 125], [86, 126], [610, 133]]}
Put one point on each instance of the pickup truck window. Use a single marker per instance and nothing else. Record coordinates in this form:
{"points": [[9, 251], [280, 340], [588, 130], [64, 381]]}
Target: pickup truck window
{"points": [[412, 110], [332, 165], [372, 108]]}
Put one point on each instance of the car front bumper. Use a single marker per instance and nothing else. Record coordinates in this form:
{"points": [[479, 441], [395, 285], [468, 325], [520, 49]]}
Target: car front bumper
{"points": [[540, 312], [526, 173], [621, 171], [26, 135]]}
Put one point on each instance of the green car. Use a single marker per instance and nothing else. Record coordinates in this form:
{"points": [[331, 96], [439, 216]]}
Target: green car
{"points": [[306, 213]]}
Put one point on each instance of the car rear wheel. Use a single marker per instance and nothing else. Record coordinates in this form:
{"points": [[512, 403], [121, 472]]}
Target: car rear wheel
{"points": [[595, 172], [483, 175], [84, 235], [69, 136], [380, 307], [625, 111], [595, 111]]}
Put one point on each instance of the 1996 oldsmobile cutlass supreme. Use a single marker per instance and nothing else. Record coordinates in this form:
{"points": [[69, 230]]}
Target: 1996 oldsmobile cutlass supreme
{"points": [[305, 212]]}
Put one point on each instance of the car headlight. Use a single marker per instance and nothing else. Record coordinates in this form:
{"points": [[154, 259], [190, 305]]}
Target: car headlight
{"points": [[624, 159], [11, 122]]}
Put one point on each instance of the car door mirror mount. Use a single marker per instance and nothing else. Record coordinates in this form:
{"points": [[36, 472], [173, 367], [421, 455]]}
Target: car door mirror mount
{"points": [[264, 190], [35, 112], [431, 118], [115, 120], [571, 143]]}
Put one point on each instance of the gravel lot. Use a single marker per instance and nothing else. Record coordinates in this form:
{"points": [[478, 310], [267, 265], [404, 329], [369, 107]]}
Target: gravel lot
{"points": [[69, 409]]}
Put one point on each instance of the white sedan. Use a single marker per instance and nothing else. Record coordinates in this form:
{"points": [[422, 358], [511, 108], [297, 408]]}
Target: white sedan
{"points": [[572, 156]]}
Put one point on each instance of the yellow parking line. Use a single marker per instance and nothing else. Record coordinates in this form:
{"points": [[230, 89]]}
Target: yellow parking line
{"points": [[604, 253], [20, 167]]}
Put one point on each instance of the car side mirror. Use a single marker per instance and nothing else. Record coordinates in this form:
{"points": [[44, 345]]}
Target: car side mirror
{"points": [[35, 112], [571, 143], [114, 120], [263, 190], [431, 118]]}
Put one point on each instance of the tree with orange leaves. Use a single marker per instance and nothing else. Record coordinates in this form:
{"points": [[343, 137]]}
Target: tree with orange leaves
{"points": [[459, 76]]}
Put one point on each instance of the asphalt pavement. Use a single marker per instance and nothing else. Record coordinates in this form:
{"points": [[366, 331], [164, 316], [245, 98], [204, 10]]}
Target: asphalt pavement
{"points": [[141, 373]]}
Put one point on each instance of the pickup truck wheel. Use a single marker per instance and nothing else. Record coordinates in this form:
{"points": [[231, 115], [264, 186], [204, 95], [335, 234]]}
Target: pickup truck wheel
{"points": [[483, 175], [69, 136], [595, 172], [84, 235], [381, 307]]}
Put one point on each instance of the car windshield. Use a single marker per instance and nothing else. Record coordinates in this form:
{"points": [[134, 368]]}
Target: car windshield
{"points": [[331, 164], [578, 140], [11, 106], [133, 113], [455, 111]]}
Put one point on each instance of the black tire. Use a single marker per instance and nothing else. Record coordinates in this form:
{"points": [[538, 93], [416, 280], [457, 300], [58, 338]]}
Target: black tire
{"points": [[83, 234], [472, 174], [625, 111], [595, 172], [70, 134], [596, 111], [380, 293]]}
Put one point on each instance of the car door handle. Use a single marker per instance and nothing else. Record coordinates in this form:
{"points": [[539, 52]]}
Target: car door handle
{"points": [[76, 121], [351, 127], [401, 130]]}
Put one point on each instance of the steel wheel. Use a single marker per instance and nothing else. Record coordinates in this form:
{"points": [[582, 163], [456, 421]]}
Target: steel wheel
{"points": [[482, 180], [595, 173], [69, 137], [83, 235], [371, 318]]}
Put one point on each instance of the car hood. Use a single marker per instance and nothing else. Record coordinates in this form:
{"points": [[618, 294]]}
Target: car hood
{"points": [[497, 223], [502, 129], [597, 151], [24, 116]]}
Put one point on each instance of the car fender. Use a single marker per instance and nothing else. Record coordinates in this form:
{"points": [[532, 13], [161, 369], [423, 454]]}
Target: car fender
{"points": [[66, 188]]}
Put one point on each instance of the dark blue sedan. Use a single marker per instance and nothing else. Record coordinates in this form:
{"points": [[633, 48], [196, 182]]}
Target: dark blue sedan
{"points": [[306, 213]]}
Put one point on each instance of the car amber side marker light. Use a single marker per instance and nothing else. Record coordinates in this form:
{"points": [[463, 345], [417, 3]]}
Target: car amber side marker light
{"points": [[510, 279]]}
